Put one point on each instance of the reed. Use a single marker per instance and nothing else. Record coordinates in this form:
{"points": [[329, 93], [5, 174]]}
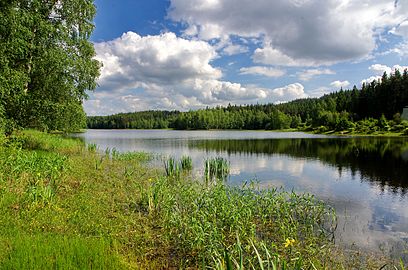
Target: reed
{"points": [[172, 167], [203, 222], [186, 163], [92, 147], [216, 169]]}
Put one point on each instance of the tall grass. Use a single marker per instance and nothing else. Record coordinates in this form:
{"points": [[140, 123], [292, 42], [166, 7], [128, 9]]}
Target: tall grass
{"points": [[43, 251], [92, 147], [186, 163], [202, 222], [174, 168], [216, 169], [38, 172]]}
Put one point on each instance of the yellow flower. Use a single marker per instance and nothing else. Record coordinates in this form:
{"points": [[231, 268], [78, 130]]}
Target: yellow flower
{"points": [[289, 242]]}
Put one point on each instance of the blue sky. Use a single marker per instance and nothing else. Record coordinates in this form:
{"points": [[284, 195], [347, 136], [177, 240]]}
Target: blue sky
{"points": [[190, 54]]}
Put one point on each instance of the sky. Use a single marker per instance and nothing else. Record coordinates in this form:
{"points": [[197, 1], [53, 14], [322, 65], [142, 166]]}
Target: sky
{"points": [[191, 54]]}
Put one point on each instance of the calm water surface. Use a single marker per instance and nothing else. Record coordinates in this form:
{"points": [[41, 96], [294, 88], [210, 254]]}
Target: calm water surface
{"points": [[364, 179]]}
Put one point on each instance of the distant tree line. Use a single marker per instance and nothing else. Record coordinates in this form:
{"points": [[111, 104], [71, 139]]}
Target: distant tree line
{"points": [[136, 120], [371, 106]]}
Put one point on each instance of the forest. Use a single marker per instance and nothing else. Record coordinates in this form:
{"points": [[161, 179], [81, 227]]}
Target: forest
{"points": [[376, 106]]}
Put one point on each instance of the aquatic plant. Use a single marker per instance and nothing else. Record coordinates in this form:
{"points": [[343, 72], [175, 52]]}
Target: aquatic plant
{"points": [[216, 169], [132, 156], [186, 163], [92, 147], [202, 222], [115, 153], [172, 167]]}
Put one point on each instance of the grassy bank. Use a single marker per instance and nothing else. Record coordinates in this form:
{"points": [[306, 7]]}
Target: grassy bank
{"points": [[64, 205]]}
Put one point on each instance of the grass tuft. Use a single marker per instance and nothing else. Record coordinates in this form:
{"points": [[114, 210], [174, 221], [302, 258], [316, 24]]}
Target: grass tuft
{"points": [[216, 169]]}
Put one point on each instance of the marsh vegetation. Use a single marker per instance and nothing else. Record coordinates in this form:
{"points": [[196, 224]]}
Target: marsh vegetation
{"points": [[59, 210]]}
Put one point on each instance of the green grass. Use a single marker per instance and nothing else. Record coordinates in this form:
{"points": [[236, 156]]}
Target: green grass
{"points": [[45, 251], [64, 205], [200, 222]]}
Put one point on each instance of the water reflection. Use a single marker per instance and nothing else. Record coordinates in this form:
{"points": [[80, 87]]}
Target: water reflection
{"points": [[364, 179]]}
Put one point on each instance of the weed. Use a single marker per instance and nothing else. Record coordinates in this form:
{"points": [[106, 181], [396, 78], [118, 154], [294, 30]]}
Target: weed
{"points": [[98, 162]]}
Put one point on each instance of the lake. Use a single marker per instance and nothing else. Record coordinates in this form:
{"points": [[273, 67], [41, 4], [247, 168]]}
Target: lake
{"points": [[364, 178]]}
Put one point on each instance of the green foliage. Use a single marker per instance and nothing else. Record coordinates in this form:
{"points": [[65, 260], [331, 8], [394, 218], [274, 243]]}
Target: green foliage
{"points": [[216, 169], [186, 163], [203, 222], [129, 156], [383, 123], [139, 120], [46, 63], [58, 252], [41, 171], [172, 168]]}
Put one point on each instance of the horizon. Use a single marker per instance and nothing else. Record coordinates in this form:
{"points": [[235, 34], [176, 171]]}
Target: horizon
{"points": [[179, 55]]}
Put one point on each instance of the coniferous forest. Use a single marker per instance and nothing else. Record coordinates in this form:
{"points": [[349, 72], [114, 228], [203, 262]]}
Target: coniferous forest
{"points": [[376, 106]]}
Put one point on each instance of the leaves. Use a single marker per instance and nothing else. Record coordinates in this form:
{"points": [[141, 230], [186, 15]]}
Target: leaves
{"points": [[46, 62]]}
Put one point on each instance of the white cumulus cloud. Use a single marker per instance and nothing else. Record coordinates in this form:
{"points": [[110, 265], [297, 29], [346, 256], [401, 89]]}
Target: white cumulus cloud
{"points": [[371, 79], [340, 84], [379, 70], [169, 72], [296, 33], [134, 61], [264, 71]]}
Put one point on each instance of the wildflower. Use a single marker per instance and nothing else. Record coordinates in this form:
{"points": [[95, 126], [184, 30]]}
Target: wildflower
{"points": [[289, 242]]}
